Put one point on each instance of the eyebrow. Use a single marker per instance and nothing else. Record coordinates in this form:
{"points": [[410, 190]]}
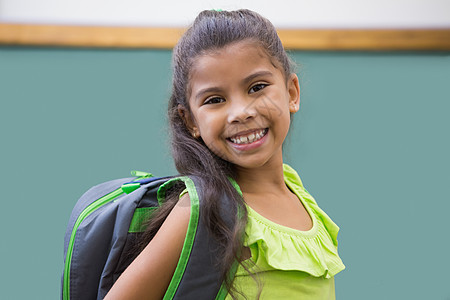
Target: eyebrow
{"points": [[207, 91], [245, 81], [257, 74]]}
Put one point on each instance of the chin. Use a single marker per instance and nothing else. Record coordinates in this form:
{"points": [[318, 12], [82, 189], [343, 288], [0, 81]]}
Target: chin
{"points": [[250, 164]]}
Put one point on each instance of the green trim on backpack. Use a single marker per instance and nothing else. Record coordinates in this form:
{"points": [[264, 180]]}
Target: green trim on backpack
{"points": [[161, 193], [84, 214], [223, 292], [190, 234], [140, 217]]}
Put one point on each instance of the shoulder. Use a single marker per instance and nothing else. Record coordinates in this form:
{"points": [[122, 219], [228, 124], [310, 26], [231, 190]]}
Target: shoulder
{"points": [[295, 184], [158, 261], [176, 222], [183, 206], [291, 175]]}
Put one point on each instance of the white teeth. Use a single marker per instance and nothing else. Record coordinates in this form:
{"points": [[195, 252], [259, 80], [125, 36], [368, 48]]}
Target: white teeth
{"points": [[252, 137]]}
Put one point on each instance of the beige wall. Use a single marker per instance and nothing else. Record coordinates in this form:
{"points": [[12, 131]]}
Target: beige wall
{"points": [[287, 14]]}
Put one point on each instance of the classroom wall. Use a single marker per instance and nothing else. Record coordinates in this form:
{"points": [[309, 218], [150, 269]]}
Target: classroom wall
{"points": [[370, 142]]}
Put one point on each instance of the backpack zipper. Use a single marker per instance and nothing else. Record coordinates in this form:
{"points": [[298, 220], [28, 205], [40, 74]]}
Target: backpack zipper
{"points": [[83, 215]]}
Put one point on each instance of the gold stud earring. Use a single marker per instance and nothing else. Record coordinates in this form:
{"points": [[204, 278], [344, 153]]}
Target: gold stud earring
{"points": [[195, 133]]}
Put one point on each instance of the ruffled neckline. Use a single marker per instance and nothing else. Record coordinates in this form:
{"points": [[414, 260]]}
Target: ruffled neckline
{"points": [[282, 229], [277, 247]]}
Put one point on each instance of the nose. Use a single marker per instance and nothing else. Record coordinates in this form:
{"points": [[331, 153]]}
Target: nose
{"points": [[241, 110]]}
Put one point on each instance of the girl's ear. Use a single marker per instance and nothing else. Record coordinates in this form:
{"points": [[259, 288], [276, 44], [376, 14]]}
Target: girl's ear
{"points": [[294, 93], [188, 121]]}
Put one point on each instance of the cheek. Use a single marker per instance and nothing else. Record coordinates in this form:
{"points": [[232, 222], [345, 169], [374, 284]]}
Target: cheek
{"points": [[273, 103], [207, 124], [284, 119]]}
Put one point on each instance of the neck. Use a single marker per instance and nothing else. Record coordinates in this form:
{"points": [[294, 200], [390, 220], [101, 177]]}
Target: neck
{"points": [[262, 180]]}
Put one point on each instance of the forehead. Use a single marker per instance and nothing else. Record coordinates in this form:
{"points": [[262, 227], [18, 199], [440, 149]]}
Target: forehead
{"points": [[231, 62], [246, 47]]}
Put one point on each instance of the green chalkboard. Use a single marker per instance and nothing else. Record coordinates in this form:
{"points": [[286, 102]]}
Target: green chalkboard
{"points": [[371, 143]]}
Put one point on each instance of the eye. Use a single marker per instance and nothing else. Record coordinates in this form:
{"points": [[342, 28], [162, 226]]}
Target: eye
{"points": [[257, 87], [214, 100]]}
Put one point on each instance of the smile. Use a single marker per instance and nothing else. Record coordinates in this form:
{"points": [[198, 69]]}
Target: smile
{"points": [[250, 137]]}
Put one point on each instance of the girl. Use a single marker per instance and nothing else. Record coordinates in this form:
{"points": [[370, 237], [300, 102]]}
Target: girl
{"points": [[233, 95]]}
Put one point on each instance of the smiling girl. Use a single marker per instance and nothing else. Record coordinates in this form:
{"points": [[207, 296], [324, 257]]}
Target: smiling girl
{"points": [[234, 93]]}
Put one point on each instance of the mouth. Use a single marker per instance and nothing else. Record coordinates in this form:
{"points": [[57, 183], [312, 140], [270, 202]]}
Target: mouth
{"points": [[249, 137]]}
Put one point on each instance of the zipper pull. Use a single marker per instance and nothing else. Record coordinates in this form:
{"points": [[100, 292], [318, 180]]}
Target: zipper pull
{"points": [[141, 174], [130, 187]]}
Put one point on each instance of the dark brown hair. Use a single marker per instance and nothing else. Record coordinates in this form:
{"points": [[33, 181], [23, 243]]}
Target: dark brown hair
{"points": [[213, 30]]}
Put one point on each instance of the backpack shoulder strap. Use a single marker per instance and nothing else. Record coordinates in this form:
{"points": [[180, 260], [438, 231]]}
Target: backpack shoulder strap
{"points": [[197, 275]]}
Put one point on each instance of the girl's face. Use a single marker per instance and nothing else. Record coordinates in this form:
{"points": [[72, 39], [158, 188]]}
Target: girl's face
{"points": [[241, 104]]}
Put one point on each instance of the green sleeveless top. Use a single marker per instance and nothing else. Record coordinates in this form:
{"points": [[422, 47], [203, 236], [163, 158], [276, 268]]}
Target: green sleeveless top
{"points": [[290, 264]]}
